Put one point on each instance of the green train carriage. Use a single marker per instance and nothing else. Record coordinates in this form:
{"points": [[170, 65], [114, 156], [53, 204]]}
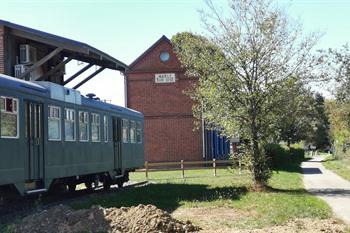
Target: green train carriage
{"points": [[51, 135]]}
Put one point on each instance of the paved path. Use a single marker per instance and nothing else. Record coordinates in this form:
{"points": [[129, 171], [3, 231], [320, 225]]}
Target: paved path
{"points": [[328, 186]]}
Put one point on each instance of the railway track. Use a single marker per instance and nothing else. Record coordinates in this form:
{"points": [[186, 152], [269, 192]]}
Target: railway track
{"points": [[22, 206]]}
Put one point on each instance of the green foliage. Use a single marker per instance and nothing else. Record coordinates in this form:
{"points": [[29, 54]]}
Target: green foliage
{"points": [[319, 136], [244, 68], [6, 229], [296, 117], [339, 121], [283, 157]]}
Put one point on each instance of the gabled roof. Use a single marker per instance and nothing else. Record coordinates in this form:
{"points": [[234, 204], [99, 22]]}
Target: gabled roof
{"points": [[163, 38], [75, 49]]}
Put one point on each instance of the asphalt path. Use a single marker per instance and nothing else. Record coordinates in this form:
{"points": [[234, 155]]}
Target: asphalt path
{"points": [[328, 186]]}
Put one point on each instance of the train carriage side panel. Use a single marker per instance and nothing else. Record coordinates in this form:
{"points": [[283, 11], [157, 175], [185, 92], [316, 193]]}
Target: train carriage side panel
{"points": [[17, 159]]}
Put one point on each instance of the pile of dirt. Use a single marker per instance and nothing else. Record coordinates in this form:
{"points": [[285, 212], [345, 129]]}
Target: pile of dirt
{"points": [[142, 218]]}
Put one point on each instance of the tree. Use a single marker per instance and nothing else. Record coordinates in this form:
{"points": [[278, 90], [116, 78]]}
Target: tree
{"points": [[319, 136], [338, 61], [242, 68], [297, 116]]}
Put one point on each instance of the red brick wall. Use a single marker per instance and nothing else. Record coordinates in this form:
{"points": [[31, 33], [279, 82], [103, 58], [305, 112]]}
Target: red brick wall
{"points": [[169, 134], [2, 55]]}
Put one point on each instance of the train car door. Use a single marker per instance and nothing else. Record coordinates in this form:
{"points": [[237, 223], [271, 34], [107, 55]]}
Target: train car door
{"points": [[34, 135], [117, 143]]}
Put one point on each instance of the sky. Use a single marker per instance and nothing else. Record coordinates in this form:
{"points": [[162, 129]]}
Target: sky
{"points": [[124, 29]]}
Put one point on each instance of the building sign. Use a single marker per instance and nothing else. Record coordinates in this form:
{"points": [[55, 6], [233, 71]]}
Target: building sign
{"points": [[164, 78]]}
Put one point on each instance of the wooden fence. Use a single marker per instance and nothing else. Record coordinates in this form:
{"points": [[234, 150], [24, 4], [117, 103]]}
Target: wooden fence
{"points": [[184, 165]]}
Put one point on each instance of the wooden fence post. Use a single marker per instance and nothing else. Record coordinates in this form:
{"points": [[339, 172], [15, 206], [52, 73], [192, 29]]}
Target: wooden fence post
{"points": [[182, 168], [146, 170], [240, 165], [214, 166]]}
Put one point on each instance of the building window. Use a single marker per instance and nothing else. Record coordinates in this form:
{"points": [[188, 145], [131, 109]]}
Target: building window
{"points": [[138, 132], [132, 131], [95, 127], [105, 125], [69, 124], [9, 117], [54, 123], [125, 130], [83, 126]]}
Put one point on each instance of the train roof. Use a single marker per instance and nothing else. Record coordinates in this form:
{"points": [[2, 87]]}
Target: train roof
{"points": [[53, 91]]}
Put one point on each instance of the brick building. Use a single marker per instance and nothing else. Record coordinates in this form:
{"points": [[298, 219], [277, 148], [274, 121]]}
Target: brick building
{"points": [[155, 86]]}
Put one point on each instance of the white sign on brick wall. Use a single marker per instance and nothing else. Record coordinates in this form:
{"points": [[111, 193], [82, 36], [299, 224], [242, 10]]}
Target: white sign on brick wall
{"points": [[165, 78]]}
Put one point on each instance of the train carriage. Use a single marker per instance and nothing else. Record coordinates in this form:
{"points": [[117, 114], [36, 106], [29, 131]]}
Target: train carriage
{"points": [[51, 135]]}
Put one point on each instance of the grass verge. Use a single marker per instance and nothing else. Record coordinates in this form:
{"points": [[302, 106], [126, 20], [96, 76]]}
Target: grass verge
{"points": [[285, 200], [341, 167]]}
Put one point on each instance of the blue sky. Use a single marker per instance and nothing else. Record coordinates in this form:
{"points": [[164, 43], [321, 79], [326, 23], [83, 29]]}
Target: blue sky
{"points": [[126, 28]]}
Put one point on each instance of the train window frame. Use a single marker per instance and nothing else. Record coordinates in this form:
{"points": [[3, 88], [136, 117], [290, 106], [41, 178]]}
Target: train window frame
{"points": [[85, 121], [14, 111], [54, 118], [72, 121], [96, 122], [105, 128], [132, 131], [138, 132], [125, 131]]}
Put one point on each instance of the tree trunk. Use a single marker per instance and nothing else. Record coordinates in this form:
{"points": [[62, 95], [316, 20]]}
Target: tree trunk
{"points": [[261, 171], [258, 163]]}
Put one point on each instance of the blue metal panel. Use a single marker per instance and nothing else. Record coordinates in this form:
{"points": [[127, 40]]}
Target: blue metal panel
{"points": [[15, 84], [216, 145]]}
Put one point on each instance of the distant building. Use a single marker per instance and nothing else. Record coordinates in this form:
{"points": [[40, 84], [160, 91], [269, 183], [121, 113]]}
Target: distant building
{"points": [[155, 86]]}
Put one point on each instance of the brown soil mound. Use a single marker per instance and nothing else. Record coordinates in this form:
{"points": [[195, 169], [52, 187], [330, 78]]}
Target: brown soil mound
{"points": [[63, 219]]}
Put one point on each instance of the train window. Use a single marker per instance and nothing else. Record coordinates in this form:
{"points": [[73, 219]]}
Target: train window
{"points": [[83, 126], [138, 132], [105, 129], [54, 123], [9, 117], [95, 127], [132, 131], [69, 124], [125, 126]]}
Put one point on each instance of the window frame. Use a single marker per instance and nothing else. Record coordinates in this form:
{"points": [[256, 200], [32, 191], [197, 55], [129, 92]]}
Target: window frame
{"points": [[132, 127], [87, 123], [74, 125], [127, 130], [13, 113], [98, 125], [59, 121], [139, 129], [105, 128]]}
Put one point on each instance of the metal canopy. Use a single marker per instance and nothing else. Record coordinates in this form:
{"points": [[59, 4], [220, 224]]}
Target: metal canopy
{"points": [[70, 48]]}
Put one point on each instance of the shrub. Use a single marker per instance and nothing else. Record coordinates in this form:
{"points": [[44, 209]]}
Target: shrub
{"points": [[297, 154], [280, 157]]}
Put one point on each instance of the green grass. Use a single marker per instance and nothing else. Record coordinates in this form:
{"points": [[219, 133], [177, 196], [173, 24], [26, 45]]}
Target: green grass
{"points": [[341, 167], [285, 200]]}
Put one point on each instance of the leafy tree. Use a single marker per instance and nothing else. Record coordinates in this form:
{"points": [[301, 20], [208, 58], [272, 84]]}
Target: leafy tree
{"points": [[243, 66], [296, 117], [338, 61], [339, 123], [319, 136]]}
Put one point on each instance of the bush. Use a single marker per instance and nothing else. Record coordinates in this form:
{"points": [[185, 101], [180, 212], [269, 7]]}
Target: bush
{"points": [[280, 157], [297, 154]]}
